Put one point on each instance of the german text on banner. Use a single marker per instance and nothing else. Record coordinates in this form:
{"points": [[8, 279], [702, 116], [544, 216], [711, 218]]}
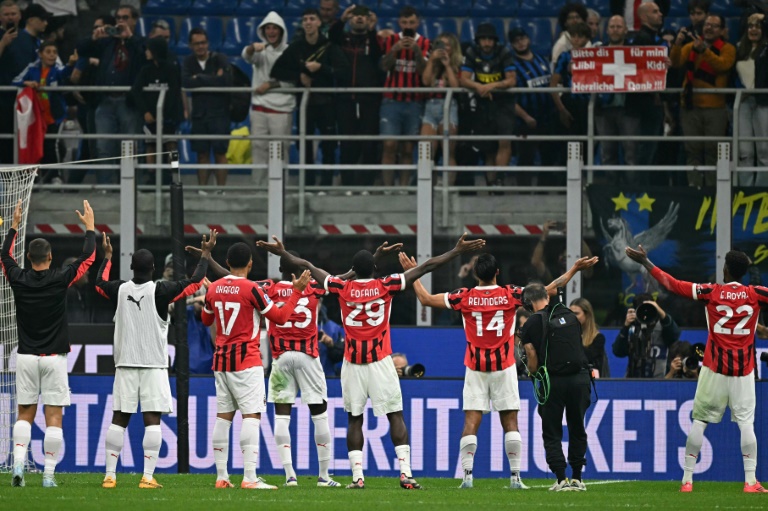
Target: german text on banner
{"points": [[606, 69]]}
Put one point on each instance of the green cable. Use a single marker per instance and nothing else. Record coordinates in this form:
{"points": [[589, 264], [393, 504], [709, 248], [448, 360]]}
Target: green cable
{"points": [[541, 383]]}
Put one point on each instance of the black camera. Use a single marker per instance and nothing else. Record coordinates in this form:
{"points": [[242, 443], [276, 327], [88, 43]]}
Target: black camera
{"points": [[113, 31], [693, 361], [409, 32], [646, 315], [414, 371], [764, 357]]}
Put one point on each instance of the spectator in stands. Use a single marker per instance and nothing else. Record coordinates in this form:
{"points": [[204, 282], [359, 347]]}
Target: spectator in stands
{"points": [[331, 343], [591, 338], [160, 28], [405, 57], [542, 271], [570, 14], [120, 52], [593, 20], [647, 105], [327, 11], [753, 111], [707, 62], [271, 114], [533, 111], [46, 72], [315, 62], [442, 70], [572, 108], [489, 66], [401, 362], [678, 369], [158, 71], [210, 110], [611, 116], [23, 49], [663, 333], [358, 114], [10, 17], [521, 316], [628, 9], [698, 10]]}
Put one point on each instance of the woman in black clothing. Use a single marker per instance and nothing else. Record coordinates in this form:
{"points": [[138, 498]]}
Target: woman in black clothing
{"points": [[591, 338]]}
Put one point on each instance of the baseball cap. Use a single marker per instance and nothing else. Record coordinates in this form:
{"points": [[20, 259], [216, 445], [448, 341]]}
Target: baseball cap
{"points": [[516, 32], [360, 10], [486, 30], [36, 11], [168, 259]]}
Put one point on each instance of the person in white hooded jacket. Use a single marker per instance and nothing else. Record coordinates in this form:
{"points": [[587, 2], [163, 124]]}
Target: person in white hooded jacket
{"points": [[271, 114]]}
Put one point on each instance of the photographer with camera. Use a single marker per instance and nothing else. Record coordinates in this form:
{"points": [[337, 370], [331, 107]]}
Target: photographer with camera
{"points": [[645, 338], [404, 370], [685, 360]]}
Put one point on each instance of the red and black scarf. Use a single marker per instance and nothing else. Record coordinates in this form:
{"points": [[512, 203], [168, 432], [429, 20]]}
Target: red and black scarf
{"points": [[704, 72]]}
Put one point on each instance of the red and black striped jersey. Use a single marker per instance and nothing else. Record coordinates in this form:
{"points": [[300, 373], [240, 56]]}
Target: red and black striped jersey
{"points": [[299, 333], [488, 313], [365, 309], [732, 312], [404, 73], [237, 303]]}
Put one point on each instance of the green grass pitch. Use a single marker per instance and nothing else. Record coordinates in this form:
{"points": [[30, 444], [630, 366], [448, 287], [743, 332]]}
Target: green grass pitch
{"points": [[83, 492]]}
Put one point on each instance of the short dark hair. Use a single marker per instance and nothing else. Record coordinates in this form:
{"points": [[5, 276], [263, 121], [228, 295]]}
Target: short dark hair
{"points": [[562, 16], [310, 11], [39, 250], [143, 261], [486, 267], [286, 267], [239, 255], [363, 264], [704, 5], [408, 11], [580, 29], [737, 263], [198, 31], [134, 11], [46, 44], [534, 293], [107, 19], [718, 16]]}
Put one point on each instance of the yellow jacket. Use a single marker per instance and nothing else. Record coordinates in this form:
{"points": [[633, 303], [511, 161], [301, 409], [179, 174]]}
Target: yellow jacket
{"points": [[720, 64]]}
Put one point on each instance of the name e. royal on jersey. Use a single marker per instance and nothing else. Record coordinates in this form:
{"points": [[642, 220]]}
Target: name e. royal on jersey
{"points": [[727, 295]]}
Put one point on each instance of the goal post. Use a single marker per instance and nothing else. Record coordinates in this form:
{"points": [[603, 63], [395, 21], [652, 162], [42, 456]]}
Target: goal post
{"points": [[15, 183]]}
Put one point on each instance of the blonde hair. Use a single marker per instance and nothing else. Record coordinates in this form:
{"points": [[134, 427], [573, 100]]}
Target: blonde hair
{"points": [[456, 57], [589, 329]]}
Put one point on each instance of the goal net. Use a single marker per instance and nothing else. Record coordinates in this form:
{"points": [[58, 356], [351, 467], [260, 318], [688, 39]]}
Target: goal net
{"points": [[15, 183]]}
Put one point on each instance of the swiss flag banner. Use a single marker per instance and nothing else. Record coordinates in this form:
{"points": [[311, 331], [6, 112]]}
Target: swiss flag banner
{"points": [[606, 69]]}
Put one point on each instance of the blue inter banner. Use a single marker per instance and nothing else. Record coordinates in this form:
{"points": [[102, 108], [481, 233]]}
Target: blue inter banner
{"points": [[637, 430]]}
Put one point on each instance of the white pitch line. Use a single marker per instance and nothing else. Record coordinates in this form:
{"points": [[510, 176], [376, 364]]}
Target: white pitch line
{"points": [[591, 483]]}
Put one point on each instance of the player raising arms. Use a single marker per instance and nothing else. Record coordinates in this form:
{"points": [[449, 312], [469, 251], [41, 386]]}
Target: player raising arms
{"points": [[41, 315], [368, 370], [237, 303], [488, 312], [728, 375], [141, 352]]}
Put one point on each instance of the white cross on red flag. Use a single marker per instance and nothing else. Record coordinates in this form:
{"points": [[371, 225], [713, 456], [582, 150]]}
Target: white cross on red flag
{"points": [[607, 69]]}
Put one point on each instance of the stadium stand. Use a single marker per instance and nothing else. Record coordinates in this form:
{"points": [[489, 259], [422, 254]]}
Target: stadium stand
{"points": [[392, 7], [539, 8], [434, 27], [296, 7], [458, 8], [213, 7], [259, 7], [238, 33], [540, 32], [488, 8], [175, 7], [144, 26], [469, 25]]}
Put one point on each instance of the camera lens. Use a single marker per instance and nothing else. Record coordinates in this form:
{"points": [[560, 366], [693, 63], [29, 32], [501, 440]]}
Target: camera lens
{"points": [[414, 371]]}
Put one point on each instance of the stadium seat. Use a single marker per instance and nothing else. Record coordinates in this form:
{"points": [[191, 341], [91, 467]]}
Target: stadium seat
{"points": [[468, 27], [213, 7], [165, 7], [540, 32], [458, 8], [239, 32], [488, 8], [144, 26], [296, 7], [212, 26], [390, 23], [259, 7], [392, 7], [676, 23], [726, 8], [539, 8], [734, 30], [678, 8], [434, 27], [243, 65], [601, 6]]}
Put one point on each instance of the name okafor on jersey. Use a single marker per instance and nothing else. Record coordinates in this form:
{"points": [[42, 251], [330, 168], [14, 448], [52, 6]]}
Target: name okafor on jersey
{"points": [[732, 312], [238, 303], [365, 307], [488, 313], [299, 333]]}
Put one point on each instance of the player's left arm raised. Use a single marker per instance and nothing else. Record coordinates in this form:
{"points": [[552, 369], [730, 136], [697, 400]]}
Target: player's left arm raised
{"points": [[105, 287], [74, 271], [279, 315], [462, 247], [10, 268], [218, 270], [581, 264], [171, 291], [278, 249], [437, 301], [679, 287]]}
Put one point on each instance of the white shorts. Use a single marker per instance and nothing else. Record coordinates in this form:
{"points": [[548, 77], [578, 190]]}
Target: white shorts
{"points": [[44, 376], [292, 372], [715, 391], [377, 380], [497, 389], [240, 390], [146, 385]]}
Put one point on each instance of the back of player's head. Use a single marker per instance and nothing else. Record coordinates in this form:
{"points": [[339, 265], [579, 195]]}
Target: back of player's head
{"points": [[286, 267], [143, 261], [535, 292], [486, 267], [239, 255], [39, 251], [737, 263], [363, 265]]}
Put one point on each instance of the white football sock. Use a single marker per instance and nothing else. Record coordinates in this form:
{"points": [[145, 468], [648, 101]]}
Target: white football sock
{"points": [[249, 443], [692, 448], [323, 443], [513, 446], [404, 457], [22, 434], [356, 464], [52, 441], [467, 449], [283, 441], [113, 444], [221, 446], [749, 452], [153, 440]]}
